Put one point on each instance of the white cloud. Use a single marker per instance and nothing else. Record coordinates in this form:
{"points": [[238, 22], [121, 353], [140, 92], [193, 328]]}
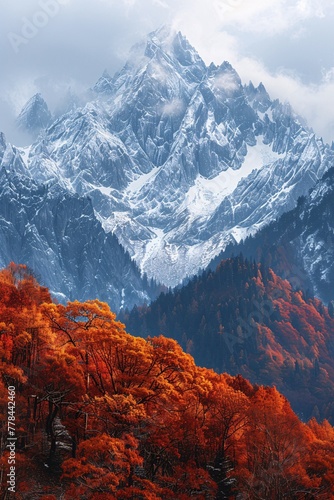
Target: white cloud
{"points": [[266, 17], [271, 24], [174, 107], [158, 73], [310, 101], [226, 82], [328, 75], [86, 36]]}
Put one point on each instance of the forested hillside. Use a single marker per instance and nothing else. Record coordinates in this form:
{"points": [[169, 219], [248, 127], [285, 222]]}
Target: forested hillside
{"points": [[100, 414], [242, 318], [299, 245]]}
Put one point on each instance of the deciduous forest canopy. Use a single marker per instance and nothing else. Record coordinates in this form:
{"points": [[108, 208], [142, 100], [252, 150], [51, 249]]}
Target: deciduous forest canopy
{"points": [[104, 415]]}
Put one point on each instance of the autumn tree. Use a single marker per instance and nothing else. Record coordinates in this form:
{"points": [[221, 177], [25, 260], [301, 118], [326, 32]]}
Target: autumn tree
{"points": [[273, 465]]}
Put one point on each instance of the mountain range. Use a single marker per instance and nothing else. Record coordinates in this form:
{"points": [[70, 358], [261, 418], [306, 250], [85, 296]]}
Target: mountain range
{"points": [[175, 158]]}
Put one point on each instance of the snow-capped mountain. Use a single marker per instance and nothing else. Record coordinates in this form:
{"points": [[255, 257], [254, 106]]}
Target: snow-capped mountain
{"points": [[34, 117], [57, 235], [178, 158]]}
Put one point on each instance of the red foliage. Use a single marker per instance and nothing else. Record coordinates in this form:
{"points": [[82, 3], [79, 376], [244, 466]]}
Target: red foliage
{"points": [[143, 421]]}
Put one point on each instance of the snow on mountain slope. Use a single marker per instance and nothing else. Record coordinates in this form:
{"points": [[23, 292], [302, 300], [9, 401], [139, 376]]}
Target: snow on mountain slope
{"points": [[180, 159], [299, 245]]}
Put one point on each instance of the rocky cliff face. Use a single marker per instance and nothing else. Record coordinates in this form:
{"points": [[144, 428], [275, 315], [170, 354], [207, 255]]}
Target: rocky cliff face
{"points": [[58, 236]]}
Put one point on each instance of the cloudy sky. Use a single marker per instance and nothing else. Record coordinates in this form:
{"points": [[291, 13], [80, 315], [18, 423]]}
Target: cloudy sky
{"points": [[53, 45]]}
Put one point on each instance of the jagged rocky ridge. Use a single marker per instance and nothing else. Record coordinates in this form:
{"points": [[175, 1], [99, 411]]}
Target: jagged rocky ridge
{"points": [[178, 158], [58, 236]]}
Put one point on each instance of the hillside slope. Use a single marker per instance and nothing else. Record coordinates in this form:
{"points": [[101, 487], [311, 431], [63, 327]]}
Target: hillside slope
{"points": [[299, 246], [101, 414], [242, 318]]}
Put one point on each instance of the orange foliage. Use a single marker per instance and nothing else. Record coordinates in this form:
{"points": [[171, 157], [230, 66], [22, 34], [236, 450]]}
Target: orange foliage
{"points": [[143, 421]]}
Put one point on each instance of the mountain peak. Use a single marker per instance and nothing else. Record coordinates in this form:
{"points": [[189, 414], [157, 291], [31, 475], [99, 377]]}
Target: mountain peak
{"points": [[35, 100], [175, 45], [35, 115], [180, 159], [163, 34], [167, 44], [104, 85], [258, 96]]}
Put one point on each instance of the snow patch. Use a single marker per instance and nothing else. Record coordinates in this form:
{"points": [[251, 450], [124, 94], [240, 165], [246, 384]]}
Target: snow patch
{"points": [[258, 156], [107, 191], [136, 185], [206, 195], [123, 296]]}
